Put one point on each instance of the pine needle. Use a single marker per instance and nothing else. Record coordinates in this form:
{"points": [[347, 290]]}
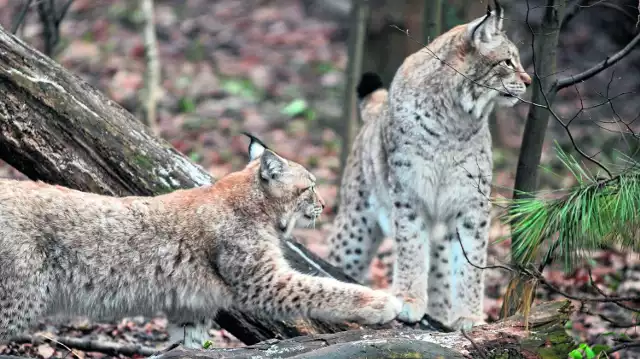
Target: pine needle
{"points": [[593, 214]]}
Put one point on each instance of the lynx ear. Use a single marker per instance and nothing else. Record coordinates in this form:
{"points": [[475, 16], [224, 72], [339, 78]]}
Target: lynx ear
{"points": [[256, 147], [483, 29], [271, 165]]}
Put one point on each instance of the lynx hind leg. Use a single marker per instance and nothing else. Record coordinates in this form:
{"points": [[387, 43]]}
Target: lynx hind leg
{"points": [[386, 257], [355, 236], [22, 302]]}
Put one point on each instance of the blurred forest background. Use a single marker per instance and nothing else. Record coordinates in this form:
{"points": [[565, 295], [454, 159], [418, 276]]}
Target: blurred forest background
{"points": [[277, 68]]}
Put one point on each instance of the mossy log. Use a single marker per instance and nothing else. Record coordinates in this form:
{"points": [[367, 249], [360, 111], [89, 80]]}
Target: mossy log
{"points": [[508, 339]]}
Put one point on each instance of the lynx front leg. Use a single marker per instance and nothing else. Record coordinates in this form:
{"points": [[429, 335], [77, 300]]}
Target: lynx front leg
{"points": [[265, 283], [412, 256], [470, 255]]}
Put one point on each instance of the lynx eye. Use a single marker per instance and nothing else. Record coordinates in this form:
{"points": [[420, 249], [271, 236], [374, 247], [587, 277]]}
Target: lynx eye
{"points": [[305, 189], [508, 63]]}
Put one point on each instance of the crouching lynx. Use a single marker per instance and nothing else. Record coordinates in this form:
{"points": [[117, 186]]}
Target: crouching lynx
{"points": [[187, 253], [420, 171]]}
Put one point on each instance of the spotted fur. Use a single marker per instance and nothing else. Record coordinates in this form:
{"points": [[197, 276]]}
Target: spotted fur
{"points": [[188, 253], [420, 171]]}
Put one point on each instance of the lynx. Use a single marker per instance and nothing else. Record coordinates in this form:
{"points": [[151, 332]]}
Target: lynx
{"points": [[420, 171], [188, 253]]}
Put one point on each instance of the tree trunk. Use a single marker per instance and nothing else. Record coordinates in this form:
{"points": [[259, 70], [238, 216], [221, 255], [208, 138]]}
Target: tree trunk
{"points": [[357, 36], [546, 46], [56, 128], [507, 339]]}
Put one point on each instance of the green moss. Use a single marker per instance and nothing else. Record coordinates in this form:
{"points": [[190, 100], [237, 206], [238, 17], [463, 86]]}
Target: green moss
{"points": [[556, 343], [142, 161], [407, 355]]}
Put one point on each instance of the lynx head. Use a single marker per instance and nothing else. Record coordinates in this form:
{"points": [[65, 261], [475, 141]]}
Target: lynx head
{"points": [[288, 184], [494, 61]]}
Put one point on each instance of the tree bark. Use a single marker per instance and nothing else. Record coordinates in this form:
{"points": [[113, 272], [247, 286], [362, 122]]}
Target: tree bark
{"points": [[507, 339], [357, 36], [56, 128], [526, 182]]}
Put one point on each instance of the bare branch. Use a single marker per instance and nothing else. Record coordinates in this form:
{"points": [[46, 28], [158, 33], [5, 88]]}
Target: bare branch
{"points": [[480, 351], [21, 16], [110, 348], [572, 12], [599, 67], [63, 12], [623, 346]]}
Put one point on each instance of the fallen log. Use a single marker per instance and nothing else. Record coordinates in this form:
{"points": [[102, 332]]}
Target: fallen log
{"points": [[507, 339], [56, 128]]}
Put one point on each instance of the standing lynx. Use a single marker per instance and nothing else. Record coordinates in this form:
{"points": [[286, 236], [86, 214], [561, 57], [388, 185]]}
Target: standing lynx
{"points": [[420, 170], [187, 253]]}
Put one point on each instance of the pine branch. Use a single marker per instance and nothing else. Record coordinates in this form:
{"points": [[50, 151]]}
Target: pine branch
{"points": [[593, 214]]}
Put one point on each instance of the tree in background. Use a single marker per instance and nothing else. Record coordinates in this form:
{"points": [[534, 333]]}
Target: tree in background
{"points": [[602, 210]]}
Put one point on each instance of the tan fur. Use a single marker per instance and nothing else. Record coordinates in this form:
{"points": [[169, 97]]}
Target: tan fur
{"points": [[188, 253], [420, 171]]}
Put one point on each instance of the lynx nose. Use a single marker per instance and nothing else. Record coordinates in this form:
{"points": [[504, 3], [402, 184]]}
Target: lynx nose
{"points": [[322, 203], [524, 77]]}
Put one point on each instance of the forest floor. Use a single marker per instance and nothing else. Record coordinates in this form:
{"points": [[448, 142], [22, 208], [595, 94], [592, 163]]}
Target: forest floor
{"points": [[228, 66]]}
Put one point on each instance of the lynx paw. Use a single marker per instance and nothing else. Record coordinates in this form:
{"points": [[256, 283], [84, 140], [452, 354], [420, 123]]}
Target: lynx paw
{"points": [[413, 309], [379, 307], [466, 323]]}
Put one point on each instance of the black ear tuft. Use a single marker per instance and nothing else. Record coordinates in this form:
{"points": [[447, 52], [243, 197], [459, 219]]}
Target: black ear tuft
{"points": [[498, 7], [256, 147], [369, 82]]}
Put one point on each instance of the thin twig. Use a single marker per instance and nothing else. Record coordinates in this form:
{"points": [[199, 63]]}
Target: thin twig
{"points": [[597, 288], [572, 12], [542, 280], [63, 12], [109, 348], [623, 346], [21, 16], [481, 352]]}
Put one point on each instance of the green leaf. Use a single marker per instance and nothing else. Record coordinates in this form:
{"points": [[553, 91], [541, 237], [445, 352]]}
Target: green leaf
{"points": [[240, 87], [195, 156], [589, 353], [599, 348], [207, 344], [575, 354], [186, 105], [295, 108]]}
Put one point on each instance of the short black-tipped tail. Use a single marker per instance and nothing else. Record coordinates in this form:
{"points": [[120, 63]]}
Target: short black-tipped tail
{"points": [[369, 82]]}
